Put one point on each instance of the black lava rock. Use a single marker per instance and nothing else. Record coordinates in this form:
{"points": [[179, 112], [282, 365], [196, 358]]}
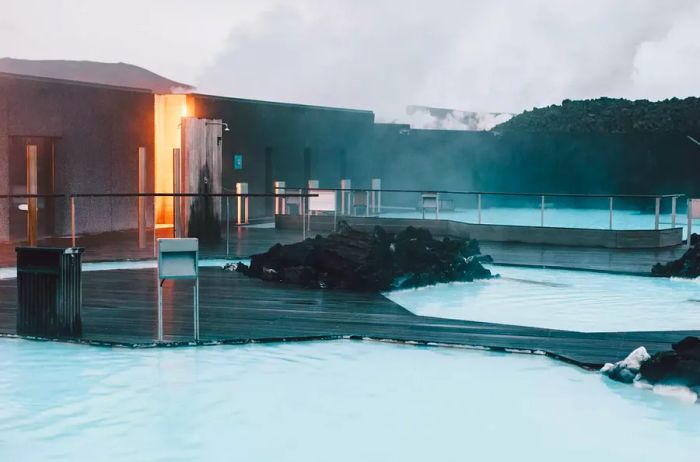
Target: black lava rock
{"points": [[680, 366], [688, 348], [688, 266], [377, 261]]}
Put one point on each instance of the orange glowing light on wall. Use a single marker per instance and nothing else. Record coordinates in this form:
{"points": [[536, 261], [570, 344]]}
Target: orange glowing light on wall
{"points": [[169, 110]]}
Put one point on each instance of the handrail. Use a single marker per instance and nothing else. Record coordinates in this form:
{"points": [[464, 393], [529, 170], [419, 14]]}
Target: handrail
{"points": [[491, 193], [72, 196], [310, 194], [69, 195]]}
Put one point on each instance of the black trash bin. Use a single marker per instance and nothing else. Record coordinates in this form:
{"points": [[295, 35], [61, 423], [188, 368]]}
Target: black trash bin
{"points": [[49, 291]]}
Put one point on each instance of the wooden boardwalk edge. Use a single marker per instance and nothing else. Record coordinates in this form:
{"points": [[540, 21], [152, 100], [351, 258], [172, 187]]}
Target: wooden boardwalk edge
{"points": [[119, 311]]}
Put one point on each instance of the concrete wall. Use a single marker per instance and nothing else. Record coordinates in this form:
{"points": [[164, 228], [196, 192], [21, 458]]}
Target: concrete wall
{"points": [[98, 130], [613, 239], [331, 137], [4, 170]]}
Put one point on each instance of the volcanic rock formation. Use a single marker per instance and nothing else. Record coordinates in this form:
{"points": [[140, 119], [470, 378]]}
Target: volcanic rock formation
{"points": [[377, 261], [688, 266], [678, 368]]}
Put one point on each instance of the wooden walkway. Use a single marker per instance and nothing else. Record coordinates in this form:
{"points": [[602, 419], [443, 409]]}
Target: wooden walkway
{"points": [[119, 308]]}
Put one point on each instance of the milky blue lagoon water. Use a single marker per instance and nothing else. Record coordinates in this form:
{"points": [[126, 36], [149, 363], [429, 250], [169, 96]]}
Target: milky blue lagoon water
{"points": [[554, 217], [561, 299], [340, 401]]}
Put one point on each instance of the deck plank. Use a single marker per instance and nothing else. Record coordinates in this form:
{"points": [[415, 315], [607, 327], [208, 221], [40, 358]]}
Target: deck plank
{"points": [[120, 307]]}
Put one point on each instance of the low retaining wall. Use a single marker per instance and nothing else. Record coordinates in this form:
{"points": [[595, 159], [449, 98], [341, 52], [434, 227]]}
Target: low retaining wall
{"points": [[612, 239]]}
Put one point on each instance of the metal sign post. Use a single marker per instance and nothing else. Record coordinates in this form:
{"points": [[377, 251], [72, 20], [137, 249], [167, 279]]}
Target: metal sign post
{"points": [[178, 259]]}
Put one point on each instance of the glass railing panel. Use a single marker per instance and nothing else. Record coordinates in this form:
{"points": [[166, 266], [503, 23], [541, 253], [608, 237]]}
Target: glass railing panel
{"points": [[517, 210]]}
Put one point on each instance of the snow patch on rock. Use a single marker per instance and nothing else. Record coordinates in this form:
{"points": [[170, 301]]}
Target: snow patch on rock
{"points": [[627, 370]]}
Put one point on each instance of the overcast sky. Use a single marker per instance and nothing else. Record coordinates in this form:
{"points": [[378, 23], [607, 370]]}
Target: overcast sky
{"points": [[489, 55]]}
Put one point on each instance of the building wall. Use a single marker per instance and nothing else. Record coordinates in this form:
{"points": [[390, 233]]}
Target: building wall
{"points": [[98, 130], [286, 131], [4, 170]]}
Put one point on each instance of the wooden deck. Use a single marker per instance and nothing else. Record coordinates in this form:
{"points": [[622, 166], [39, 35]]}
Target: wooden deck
{"points": [[119, 308]]}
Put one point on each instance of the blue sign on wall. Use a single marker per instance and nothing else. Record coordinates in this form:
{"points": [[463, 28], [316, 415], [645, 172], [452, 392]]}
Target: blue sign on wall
{"points": [[238, 161]]}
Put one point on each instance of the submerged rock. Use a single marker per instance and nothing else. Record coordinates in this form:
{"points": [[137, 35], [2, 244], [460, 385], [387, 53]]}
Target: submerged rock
{"points": [[377, 261], [688, 266], [626, 371], [678, 367]]}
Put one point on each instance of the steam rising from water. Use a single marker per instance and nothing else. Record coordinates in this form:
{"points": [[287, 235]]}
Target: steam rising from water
{"points": [[501, 56], [450, 119]]}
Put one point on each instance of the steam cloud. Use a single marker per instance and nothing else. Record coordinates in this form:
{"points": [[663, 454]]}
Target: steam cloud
{"points": [[495, 56]]}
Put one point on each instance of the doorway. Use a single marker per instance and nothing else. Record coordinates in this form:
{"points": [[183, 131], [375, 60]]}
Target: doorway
{"points": [[24, 167]]}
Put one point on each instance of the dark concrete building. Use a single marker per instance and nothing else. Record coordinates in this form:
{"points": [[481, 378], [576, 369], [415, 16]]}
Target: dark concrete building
{"points": [[88, 136], [286, 142]]}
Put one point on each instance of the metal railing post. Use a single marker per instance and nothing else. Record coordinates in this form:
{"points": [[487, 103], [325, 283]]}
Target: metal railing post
{"points": [[437, 206], [196, 309], [690, 221], [478, 207], [367, 205], [177, 201], [302, 207], [542, 211], [610, 226], [228, 225], [376, 186], [673, 211], [241, 203], [160, 309], [657, 212], [72, 220], [280, 202], [141, 207], [345, 197]]}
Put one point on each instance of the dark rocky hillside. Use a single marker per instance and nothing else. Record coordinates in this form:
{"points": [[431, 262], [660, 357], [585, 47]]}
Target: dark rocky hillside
{"points": [[609, 115]]}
